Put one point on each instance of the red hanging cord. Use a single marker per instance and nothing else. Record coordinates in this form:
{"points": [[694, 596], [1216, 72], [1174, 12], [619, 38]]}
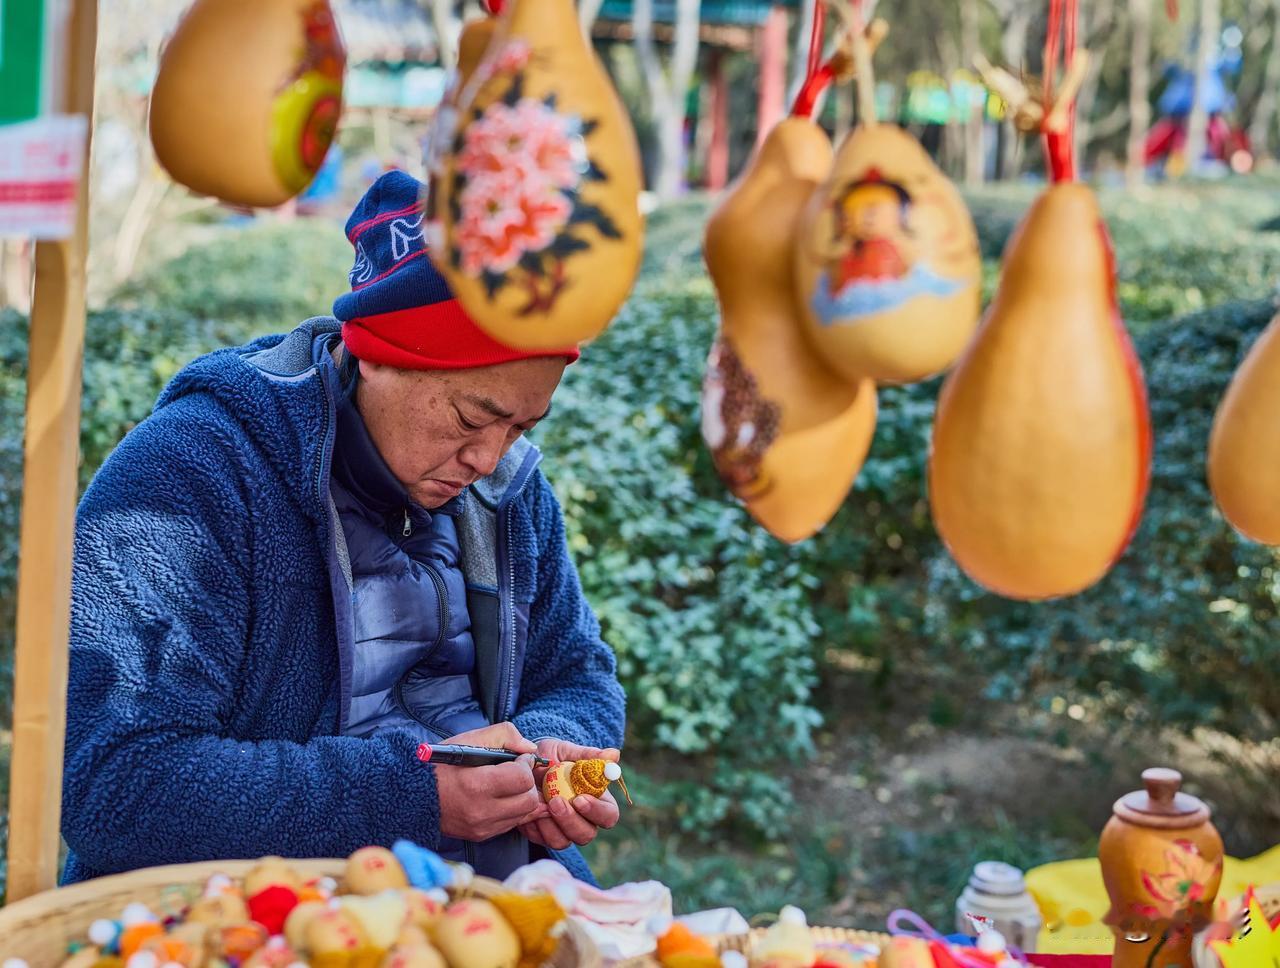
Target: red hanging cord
{"points": [[1171, 8], [493, 6], [1060, 145], [816, 78]]}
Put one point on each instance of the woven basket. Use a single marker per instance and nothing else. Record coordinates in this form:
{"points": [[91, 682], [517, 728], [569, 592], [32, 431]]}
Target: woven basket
{"points": [[39, 928], [822, 937]]}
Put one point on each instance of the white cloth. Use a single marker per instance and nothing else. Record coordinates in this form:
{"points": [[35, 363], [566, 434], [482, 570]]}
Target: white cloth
{"points": [[617, 919]]}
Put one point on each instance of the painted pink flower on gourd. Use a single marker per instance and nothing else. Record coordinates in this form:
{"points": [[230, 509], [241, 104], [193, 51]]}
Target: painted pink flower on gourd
{"points": [[1183, 883], [505, 215], [518, 163]]}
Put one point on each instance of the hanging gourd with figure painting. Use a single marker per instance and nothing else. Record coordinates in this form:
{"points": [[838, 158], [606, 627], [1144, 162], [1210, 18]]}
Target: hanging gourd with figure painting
{"points": [[247, 98], [534, 196], [1041, 448], [886, 257]]}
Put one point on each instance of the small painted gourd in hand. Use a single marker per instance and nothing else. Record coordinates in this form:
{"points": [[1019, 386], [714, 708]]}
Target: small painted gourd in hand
{"points": [[887, 262], [535, 195], [1244, 447], [585, 777], [787, 434], [1042, 443], [247, 98]]}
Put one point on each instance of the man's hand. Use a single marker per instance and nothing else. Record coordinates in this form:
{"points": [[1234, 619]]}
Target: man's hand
{"points": [[479, 802], [577, 821]]}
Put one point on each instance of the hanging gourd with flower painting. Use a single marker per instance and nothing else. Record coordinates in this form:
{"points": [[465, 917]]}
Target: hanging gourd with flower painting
{"points": [[1041, 449], [534, 192]]}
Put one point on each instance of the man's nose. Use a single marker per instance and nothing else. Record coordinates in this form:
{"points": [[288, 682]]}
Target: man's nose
{"points": [[482, 456]]}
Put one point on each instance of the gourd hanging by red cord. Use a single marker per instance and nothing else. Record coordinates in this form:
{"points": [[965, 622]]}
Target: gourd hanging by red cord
{"points": [[1041, 451], [535, 184], [886, 255], [787, 435]]}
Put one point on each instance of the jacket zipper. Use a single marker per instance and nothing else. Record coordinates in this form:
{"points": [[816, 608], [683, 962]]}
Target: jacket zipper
{"points": [[504, 513]]}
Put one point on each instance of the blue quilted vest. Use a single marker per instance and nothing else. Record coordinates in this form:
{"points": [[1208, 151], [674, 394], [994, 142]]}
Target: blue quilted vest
{"points": [[414, 656]]}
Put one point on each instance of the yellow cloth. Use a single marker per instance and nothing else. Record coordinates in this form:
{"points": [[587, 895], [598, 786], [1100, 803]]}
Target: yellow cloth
{"points": [[1073, 901]]}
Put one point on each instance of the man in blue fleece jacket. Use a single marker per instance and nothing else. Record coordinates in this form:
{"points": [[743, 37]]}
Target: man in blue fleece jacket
{"points": [[319, 551]]}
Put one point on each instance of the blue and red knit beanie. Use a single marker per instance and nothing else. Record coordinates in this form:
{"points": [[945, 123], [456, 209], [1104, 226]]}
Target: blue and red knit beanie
{"points": [[400, 311]]}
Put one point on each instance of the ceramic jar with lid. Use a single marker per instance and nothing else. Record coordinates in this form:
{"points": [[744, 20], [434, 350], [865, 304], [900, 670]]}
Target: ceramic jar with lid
{"points": [[1162, 864]]}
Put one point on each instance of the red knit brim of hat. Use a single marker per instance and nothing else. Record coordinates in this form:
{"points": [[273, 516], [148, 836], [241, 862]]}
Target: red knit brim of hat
{"points": [[436, 337]]}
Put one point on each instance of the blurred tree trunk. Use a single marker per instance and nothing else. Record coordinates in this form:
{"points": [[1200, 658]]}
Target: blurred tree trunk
{"points": [[1098, 23], [970, 47], [1207, 46], [1015, 30], [800, 62], [447, 26], [667, 87], [1264, 111], [1139, 91], [588, 10]]}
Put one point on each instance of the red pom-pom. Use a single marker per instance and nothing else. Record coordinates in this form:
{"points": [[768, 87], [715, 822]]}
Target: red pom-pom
{"points": [[271, 905]]}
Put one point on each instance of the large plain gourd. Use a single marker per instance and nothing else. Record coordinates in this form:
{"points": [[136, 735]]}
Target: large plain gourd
{"points": [[247, 98], [887, 262], [1244, 447], [535, 197], [1042, 444], [787, 435]]}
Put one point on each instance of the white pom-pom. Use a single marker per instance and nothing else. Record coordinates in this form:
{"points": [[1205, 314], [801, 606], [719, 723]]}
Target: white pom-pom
{"points": [[143, 959], [463, 875], [172, 964], [14, 963], [612, 771], [102, 932], [217, 884], [991, 943], [566, 895], [136, 913], [327, 884], [793, 915], [733, 959], [438, 894]]}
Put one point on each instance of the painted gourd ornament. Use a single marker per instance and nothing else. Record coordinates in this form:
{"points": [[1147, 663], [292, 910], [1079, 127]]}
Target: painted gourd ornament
{"points": [[535, 201], [887, 262], [1244, 447], [787, 435], [473, 934], [247, 98], [585, 777], [371, 870], [1041, 451]]}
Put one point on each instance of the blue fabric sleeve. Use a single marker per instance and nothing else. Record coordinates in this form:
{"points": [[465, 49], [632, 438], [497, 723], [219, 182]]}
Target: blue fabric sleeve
{"points": [[162, 606], [570, 689]]}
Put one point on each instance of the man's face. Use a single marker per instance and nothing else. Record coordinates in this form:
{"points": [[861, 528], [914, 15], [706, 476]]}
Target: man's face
{"points": [[440, 430]]}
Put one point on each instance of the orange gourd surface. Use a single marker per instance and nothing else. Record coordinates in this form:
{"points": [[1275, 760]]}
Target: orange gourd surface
{"points": [[1042, 444], [1244, 446], [247, 98]]}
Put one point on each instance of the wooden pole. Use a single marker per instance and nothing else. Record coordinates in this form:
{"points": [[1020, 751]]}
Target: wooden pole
{"points": [[48, 511], [773, 72]]}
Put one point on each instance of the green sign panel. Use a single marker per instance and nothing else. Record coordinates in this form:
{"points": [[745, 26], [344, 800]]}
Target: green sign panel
{"points": [[21, 59]]}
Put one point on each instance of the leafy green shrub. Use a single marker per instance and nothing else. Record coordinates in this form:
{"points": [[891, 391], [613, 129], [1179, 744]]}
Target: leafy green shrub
{"points": [[274, 274]]}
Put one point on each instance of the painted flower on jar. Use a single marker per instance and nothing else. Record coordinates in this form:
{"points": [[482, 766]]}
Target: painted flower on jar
{"points": [[1183, 883]]}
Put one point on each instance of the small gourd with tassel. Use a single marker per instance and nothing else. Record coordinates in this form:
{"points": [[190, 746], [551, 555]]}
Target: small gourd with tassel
{"points": [[582, 778]]}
